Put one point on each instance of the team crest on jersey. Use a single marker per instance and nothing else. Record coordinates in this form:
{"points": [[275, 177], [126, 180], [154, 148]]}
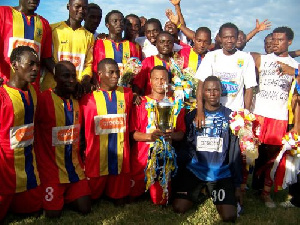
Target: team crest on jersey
{"points": [[39, 32], [240, 62], [121, 104]]}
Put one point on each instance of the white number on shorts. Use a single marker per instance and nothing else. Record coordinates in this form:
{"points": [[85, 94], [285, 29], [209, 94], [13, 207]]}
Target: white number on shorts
{"points": [[49, 194], [220, 196]]}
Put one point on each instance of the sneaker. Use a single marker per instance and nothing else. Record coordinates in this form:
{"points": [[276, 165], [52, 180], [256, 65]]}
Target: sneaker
{"points": [[269, 203], [287, 204]]}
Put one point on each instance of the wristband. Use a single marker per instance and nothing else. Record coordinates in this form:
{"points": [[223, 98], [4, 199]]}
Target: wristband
{"points": [[296, 73], [179, 25]]}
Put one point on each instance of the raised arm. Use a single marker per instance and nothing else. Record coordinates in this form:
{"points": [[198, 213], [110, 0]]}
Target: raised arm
{"points": [[176, 4], [265, 25], [175, 19], [294, 54]]}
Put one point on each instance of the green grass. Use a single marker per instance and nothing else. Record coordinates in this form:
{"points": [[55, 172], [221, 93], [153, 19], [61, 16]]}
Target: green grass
{"points": [[144, 212]]}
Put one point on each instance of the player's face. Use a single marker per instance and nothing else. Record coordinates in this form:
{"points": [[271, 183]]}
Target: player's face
{"points": [[269, 45], [241, 41], [280, 43], [212, 93], [171, 28], [77, 10], [202, 41], [164, 44], [228, 39], [27, 67], [30, 5], [158, 79], [132, 27], [93, 19], [110, 75], [115, 23], [151, 32], [66, 78]]}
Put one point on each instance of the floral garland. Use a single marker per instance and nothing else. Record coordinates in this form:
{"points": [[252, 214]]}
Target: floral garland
{"points": [[129, 70], [161, 165], [287, 164], [185, 84], [245, 125]]}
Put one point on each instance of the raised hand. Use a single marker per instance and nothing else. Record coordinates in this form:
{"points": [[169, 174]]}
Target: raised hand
{"points": [[175, 2], [172, 17], [265, 25]]}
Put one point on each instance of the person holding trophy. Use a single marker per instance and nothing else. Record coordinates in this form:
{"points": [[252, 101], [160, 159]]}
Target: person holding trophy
{"points": [[147, 128]]}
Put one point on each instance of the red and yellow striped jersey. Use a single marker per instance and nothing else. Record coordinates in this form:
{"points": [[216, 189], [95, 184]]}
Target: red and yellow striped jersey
{"points": [[57, 127], [18, 171], [191, 58], [106, 119], [117, 51], [18, 29]]}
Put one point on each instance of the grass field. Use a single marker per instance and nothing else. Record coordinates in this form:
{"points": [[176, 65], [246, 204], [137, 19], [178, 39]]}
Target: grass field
{"points": [[144, 212]]}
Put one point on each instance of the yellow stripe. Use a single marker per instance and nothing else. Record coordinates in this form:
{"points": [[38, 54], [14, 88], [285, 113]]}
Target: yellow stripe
{"points": [[38, 30], [75, 147], [101, 110], [18, 24], [126, 52], [193, 60], [60, 149], [157, 61], [121, 109], [291, 114], [109, 51], [35, 168]]}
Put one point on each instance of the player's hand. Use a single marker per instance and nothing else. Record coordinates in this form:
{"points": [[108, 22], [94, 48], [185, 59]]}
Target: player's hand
{"points": [[175, 2], [137, 100], [168, 135], [156, 134], [265, 25], [200, 119], [172, 17], [239, 196], [285, 69], [1, 81], [102, 36]]}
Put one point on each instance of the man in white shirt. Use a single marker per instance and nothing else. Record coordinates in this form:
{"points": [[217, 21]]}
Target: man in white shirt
{"points": [[235, 69], [271, 103]]}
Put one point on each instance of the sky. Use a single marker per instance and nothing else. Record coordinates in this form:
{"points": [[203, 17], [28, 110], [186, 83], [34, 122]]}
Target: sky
{"points": [[196, 13]]}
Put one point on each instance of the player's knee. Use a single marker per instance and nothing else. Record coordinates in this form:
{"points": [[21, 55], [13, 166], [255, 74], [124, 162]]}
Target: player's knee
{"points": [[52, 213], [84, 205], [228, 217], [181, 206]]}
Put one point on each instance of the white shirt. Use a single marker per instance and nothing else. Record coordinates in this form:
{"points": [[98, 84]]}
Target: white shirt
{"points": [[235, 72], [272, 97]]}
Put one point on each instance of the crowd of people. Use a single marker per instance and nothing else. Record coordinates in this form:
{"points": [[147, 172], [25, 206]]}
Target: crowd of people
{"points": [[70, 134]]}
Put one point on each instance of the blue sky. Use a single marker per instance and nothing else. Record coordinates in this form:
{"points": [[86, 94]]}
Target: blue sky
{"points": [[196, 13]]}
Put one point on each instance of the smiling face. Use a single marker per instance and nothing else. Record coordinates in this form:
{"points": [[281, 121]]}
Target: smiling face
{"points": [[268, 44], [228, 38], [151, 32], [171, 28], [241, 41], [115, 23], [77, 10]]}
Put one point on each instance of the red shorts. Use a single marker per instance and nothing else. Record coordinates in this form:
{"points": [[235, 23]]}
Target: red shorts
{"points": [[56, 195], [272, 130], [114, 186], [138, 187], [24, 202]]}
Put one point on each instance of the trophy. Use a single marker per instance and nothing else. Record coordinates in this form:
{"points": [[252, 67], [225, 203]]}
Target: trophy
{"points": [[164, 114]]}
